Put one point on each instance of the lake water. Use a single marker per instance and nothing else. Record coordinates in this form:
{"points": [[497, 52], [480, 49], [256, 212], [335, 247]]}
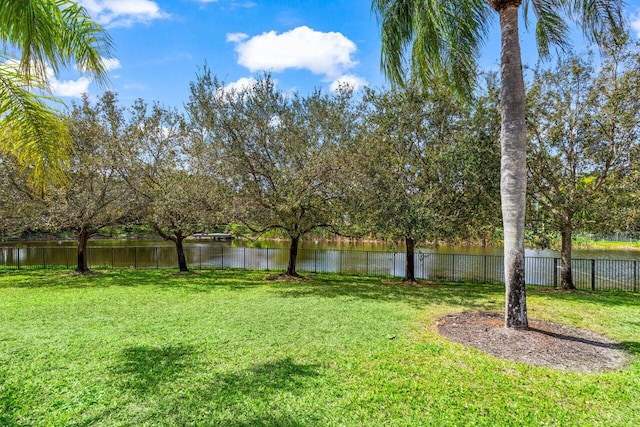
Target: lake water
{"points": [[592, 269]]}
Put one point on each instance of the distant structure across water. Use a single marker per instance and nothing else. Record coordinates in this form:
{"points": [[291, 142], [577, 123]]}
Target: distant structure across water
{"points": [[219, 237]]}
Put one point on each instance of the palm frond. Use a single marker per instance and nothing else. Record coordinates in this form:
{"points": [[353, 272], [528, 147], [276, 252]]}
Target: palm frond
{"points": [[30, 129], [54, 33], [441, 39], [599, 20], [551, 28]]}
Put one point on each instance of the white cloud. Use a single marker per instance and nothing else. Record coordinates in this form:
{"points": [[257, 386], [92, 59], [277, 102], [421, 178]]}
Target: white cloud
{"points": [[236, 37], [326, 54], [240, 84], [70, 88], [111, 64], [350, 80], [123, 13], [234, 89]]}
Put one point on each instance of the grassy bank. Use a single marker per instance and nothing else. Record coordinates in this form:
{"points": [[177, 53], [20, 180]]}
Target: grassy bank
{"points": [[607, 244], [149, 348]]}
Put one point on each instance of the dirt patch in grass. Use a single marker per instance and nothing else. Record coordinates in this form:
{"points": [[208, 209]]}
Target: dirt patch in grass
{"points": [[543, 344]]}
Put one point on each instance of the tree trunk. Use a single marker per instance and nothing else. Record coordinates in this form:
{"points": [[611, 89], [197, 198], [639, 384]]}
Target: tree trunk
{"points": [[293, 256], [513, 168], [182, 259], [566, 275], [82, 237], [410, 265]]}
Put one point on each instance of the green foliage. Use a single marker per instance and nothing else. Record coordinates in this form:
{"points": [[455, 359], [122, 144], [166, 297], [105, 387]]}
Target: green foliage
{"points": [[229, 348], [94, 194], [426, 166], [281, 153], [45, 33], [439, 42], [169, 171], [584, 124]]}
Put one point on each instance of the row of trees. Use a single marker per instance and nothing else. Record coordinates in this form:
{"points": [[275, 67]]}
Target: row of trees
{"points": [[439, 42], [407, 164]]}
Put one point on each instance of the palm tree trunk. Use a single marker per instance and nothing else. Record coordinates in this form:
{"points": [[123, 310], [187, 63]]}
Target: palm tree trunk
{"points": [[513, 172], [566, 275], [410, 267]]}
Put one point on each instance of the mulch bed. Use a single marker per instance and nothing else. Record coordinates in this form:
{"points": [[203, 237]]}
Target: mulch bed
{"points": [[543, 344]]}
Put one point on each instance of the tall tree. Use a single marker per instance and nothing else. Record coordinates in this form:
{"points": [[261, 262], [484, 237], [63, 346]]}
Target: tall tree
{"points": [[418, 167], [444, 39], [584, 125], [44, 34], [178, 194], [282, 151], [93, 196]]}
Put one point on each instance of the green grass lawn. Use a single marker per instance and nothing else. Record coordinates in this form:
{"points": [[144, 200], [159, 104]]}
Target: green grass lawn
{"points": [[152, 348]]}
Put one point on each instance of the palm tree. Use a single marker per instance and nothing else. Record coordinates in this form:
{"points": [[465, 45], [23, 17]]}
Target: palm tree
{"points": [[38, 35], [444, 40]]}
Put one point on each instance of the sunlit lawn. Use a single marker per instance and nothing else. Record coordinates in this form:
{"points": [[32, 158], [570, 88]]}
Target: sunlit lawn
{"points": [[150, 348]]}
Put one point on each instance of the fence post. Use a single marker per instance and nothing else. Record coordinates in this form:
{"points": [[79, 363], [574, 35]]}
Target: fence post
{"points": [[484, 271], [340, 270], [555, 273], [222, 257], [18, 256], [267, 258], [453, 266], [394, 264], [244, 258], [315, 260], [367, 266], [635, 276], [593, 274]]}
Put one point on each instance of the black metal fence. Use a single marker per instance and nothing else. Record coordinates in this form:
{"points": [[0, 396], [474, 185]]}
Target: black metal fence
{"points": [[588, 274]]}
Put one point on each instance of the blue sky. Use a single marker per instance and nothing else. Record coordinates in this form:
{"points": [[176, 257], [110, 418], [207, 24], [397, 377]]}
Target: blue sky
{"points": [[161, 44]]}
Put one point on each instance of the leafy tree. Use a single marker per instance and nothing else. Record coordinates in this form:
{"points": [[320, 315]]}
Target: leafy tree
{"points": [[43, 33], [418, 168], [23, 210], [444, 39], [583, 125], [94, 196], [282, 152], [177, 193]]}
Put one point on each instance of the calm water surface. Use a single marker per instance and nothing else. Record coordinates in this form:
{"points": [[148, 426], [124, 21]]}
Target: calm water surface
{"points": [[324, 245]]}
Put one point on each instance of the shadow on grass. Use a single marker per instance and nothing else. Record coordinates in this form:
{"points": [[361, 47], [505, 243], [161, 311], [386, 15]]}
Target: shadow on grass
{"points": [[607, 298], [257, 395], [144, 368], [632, 347], [471, 296], [261, 379], [245, 397], [9, 402], [196, 281]]}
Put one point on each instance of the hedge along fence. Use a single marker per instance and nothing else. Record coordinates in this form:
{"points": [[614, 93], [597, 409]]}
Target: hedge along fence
{"points": [[589, 274]]}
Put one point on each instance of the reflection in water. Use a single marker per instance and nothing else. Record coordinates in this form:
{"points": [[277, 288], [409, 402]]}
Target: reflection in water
{"points": [[596, 271]]}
